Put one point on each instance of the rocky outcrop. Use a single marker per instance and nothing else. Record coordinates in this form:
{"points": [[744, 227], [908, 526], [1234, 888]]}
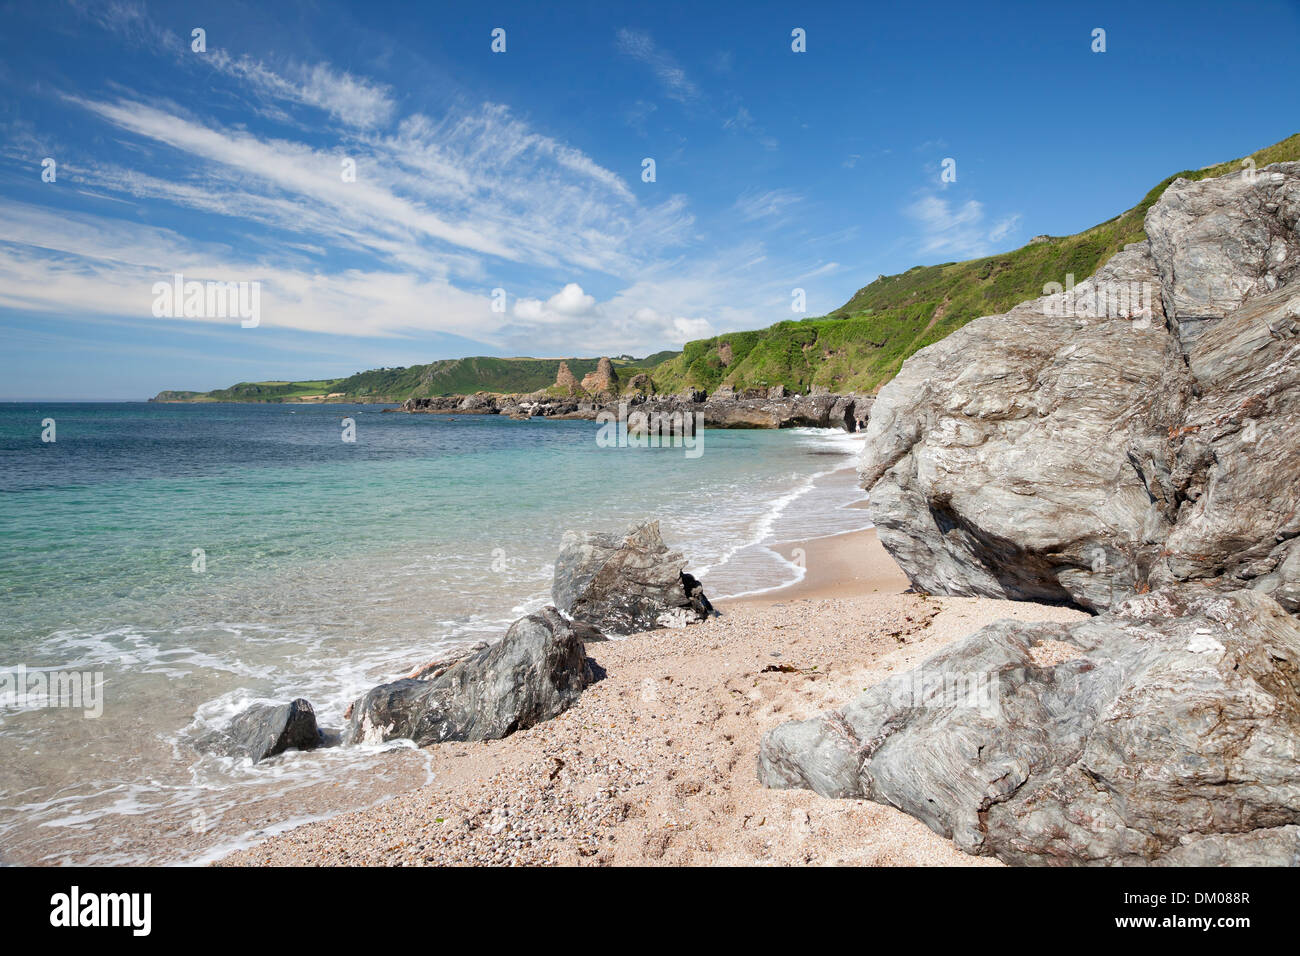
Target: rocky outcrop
{"points": [[480, 403], [564, 379], [1166, 731], [1132, 432], [603, 381], [538, 670], [626, 583], [723, 409], [267, 730], [1222, 242]]}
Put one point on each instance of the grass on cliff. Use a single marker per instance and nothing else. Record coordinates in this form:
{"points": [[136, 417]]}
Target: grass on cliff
{"points": [[462, 376], [861, 345]]}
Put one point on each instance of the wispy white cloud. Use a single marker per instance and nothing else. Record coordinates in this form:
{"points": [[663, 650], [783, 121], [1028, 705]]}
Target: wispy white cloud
{"points": [[1004, 227], [743, 121], [767, 204], [640, 46], [957, 228], [351, 100], [444, 208]]}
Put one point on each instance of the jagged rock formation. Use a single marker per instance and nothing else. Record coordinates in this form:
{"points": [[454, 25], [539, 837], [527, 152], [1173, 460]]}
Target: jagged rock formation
{"points": [[1165, 731], [564, 379], [626, 583], [538, 670], [603, 381], [1136, 431]]}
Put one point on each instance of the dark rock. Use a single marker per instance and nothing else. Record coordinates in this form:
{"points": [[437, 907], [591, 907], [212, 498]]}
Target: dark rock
{"points": [[842, 413], [265, 730], [1166, 733], [755, 409], [623, 584], [538, 670]]}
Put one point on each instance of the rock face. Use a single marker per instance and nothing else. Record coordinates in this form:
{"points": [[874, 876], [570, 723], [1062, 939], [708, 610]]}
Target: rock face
{"points": [[538, 670], [1166, 731], [565, 379], [1136, 431], [623, 584], [265, 730], [602, 381]]}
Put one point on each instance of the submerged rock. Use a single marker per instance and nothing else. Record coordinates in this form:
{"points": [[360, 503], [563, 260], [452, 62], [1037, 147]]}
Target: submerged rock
{"points": [[1165, 731], [538, 670], [265, 730], [623, 584], [1134, 432]]}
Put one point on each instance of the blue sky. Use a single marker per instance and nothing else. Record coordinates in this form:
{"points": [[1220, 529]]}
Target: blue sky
{"points": [[522, 170]]}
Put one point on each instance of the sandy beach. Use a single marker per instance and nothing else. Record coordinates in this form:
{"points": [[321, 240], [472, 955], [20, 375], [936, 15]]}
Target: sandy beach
{"points": [[656, 762]]}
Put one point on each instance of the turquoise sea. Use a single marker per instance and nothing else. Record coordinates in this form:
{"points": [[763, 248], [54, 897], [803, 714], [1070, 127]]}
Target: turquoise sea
{"points": [[202, 557]]}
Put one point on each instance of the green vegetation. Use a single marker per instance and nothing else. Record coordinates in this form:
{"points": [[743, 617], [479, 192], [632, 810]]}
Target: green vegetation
{"points": [[861, 345], [445, 377]]}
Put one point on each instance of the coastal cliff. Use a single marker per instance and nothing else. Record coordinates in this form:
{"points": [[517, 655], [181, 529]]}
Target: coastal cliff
{"points": [[1125, 446], [1069, 450]]}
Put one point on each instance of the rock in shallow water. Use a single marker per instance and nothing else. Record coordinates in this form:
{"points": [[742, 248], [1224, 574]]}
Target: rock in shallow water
{"points": [[1136, 432], [535, 672], [623, 584], [1169, 732], [265, 730]]}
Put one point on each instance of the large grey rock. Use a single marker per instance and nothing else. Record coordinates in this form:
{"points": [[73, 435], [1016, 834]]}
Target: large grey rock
{"points": [[538, 670], [266, 730], [626, 583], [1165, 731], [1221, 242], [1081, 448]]}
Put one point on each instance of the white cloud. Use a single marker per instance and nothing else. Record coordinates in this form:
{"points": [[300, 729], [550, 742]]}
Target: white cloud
{"points": [[771, 204], [566, 304], [957, 229], [433, 194], [672, 77], [1004, 227], [351, 100], [443, 209]]}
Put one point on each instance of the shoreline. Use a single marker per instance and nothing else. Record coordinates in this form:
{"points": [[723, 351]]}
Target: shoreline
{"points": [[655, 762], [848, 562]]}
